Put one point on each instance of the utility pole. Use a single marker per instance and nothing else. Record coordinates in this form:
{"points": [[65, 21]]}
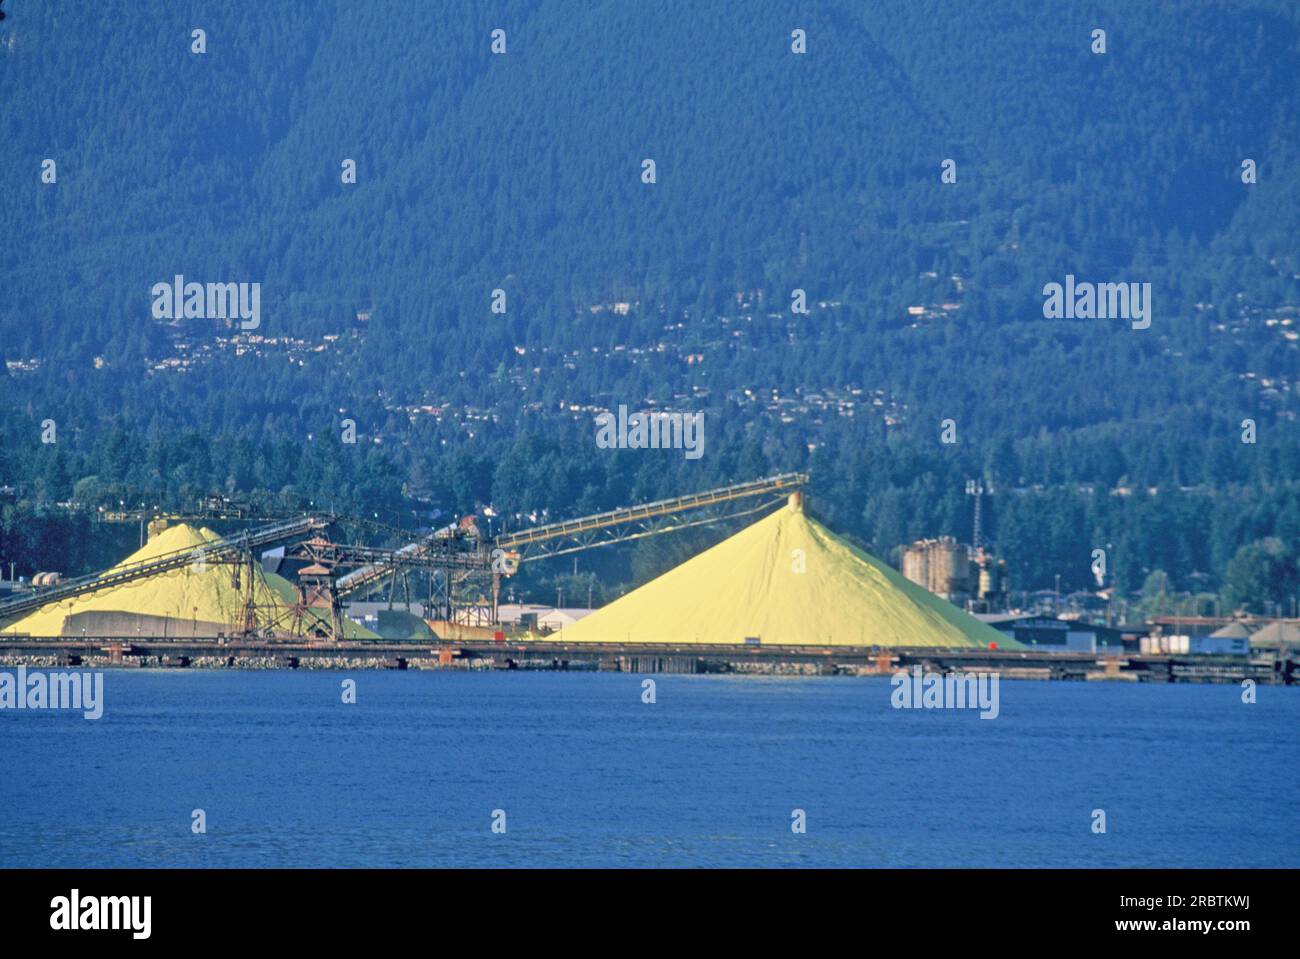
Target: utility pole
{"points": [[975, 488]]}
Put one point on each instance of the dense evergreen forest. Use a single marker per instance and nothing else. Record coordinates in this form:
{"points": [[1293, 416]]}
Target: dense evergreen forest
{"points": [[775, 171]]}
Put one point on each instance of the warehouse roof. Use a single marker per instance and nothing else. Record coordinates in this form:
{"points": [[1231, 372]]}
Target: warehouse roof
{"points": [[1278, 634]]}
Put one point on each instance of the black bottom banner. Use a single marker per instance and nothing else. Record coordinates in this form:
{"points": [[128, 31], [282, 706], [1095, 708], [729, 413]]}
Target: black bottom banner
{"points": [[333, 907]]}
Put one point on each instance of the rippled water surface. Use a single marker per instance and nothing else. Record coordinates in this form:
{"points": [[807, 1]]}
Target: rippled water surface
{"points": [[589, 775]]}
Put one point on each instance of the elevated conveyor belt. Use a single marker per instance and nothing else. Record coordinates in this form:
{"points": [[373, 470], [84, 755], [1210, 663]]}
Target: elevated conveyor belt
{"points": [[663, 507], [454, 549], [216, 551]]}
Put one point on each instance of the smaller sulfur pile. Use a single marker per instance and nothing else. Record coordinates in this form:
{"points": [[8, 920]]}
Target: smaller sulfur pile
{"points": [[195, 600]]}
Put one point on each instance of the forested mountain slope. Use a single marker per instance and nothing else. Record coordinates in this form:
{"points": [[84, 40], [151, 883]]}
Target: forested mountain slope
{"points": [[775, 171]]}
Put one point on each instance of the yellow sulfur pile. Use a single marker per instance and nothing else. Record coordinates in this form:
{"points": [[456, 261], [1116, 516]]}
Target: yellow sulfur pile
{"points": [[197, 599], [785, 580]]}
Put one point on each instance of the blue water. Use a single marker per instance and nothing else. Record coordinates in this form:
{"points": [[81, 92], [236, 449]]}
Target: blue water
{"points": [[588, 775]]}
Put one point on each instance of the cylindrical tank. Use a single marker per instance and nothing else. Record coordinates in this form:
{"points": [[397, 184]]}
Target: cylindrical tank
{"points": [[990, 577], [949, 567], [916, 564]]}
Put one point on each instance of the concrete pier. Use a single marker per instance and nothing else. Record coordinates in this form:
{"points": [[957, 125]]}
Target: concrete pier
{"points": [[189, 653]]}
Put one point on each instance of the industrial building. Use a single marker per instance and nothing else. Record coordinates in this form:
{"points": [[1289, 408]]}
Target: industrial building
{"points": [[965, 576], [1066, 635], [1231, 640], [540, 618], [1281, 635]]}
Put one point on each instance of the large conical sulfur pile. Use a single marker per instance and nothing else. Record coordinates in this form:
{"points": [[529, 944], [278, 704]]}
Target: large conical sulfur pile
{"points": [[785, 580], [199, 599]]}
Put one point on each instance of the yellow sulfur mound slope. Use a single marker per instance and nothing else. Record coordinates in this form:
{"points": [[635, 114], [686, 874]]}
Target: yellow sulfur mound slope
{"points": [[179, 599], [748, 586]]}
